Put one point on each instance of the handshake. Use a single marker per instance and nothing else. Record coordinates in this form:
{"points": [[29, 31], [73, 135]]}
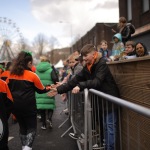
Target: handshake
{"points": [[53, 89]]}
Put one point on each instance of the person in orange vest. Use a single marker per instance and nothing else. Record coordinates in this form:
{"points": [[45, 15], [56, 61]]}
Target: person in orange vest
{"points": [[6, 105], [23, 84], [4, 76], [33, 68], [1, 69]]}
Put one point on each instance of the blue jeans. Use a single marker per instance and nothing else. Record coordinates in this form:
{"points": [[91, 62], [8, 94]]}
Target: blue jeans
{"points": [[110, 123]]}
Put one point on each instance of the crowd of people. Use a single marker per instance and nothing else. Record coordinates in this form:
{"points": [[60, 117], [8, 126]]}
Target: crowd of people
{"points": [[93, 75], [123, 45], [27, 90], [22, 83]]}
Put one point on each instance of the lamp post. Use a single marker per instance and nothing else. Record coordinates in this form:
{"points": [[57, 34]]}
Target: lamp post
{"points": [[71, 50]]}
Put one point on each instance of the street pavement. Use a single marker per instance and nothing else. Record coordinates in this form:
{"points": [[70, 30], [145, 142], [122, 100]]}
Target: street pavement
{"points": [[49, 139]]}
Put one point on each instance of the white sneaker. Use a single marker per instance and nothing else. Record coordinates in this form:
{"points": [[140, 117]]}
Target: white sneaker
{"points": [[96, 146], [38, 116], [43, 127], [48, 120], [27, 148], [74, 135]]}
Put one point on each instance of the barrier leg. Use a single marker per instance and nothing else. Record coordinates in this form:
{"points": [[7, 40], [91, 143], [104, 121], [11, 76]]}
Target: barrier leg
{"points": [[66, 131], [63, 123]]}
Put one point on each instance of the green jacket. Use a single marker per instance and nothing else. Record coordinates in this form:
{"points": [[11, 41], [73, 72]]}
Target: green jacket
{"points": [[43, 70]]}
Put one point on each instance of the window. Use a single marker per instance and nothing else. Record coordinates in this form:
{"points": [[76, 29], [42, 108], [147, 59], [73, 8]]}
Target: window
{"points": [[145, 5], [129, 10]]}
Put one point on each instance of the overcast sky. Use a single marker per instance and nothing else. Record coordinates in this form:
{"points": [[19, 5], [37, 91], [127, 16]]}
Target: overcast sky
{"points": [[63, 19]]}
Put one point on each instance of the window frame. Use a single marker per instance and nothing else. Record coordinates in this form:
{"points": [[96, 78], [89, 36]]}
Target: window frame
{"points": [[144, 4], [129, 10]]}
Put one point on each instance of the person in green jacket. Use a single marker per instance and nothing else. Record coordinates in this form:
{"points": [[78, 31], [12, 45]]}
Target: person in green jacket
{"points": [[45, 103]]}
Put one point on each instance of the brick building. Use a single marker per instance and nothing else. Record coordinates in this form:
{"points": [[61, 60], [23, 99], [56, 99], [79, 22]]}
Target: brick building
{"points": [[137, 12], [101, 31], [56, 54]]}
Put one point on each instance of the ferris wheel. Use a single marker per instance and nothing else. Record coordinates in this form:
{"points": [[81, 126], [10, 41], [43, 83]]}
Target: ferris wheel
{"points": [[11, 39]]}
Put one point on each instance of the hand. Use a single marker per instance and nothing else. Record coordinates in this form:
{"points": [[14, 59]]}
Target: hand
{"points": [[76, 90], [48, 87], [64, 97], [56, 85], [53, 92], [109, 60], [113, 30]]}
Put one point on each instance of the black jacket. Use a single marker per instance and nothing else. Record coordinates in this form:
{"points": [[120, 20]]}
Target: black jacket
{"points": [[100, 78], [126, 32], [6, 102], [23, 92]]}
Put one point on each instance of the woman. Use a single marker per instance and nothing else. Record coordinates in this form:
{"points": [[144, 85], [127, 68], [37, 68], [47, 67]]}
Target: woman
{"points": [[23, 83], [140, 49], [45, 103], [125, 29]]}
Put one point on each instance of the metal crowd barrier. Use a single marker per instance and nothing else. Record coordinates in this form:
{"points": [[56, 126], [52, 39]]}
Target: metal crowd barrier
{"points": [[89, 111]]}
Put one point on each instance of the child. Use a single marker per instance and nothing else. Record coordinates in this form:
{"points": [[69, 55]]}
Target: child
{"points": [[103, 48], [118, 47], [75, 65], [95, 74], [23, 83], [6, 104], [4, 76], [129, 50], [6, 73]]}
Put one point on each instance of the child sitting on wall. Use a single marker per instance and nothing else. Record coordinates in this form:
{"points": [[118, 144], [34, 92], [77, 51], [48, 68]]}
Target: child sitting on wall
{"points": [[118, 47], [103, 49]]}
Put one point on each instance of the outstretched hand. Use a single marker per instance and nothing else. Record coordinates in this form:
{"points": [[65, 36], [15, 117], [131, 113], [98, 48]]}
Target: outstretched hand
{"points": [[113, 30], [76, 90], [52, 92], [55, 85]]}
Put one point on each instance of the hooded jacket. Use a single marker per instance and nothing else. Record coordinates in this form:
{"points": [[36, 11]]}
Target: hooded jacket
{"points": [[105, 53], [118, 47], [43, 70], [126, 32], [100, 78]]}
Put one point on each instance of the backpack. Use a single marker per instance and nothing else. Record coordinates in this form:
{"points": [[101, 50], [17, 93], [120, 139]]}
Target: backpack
{"points": [[132, 28], [54, 75]]}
